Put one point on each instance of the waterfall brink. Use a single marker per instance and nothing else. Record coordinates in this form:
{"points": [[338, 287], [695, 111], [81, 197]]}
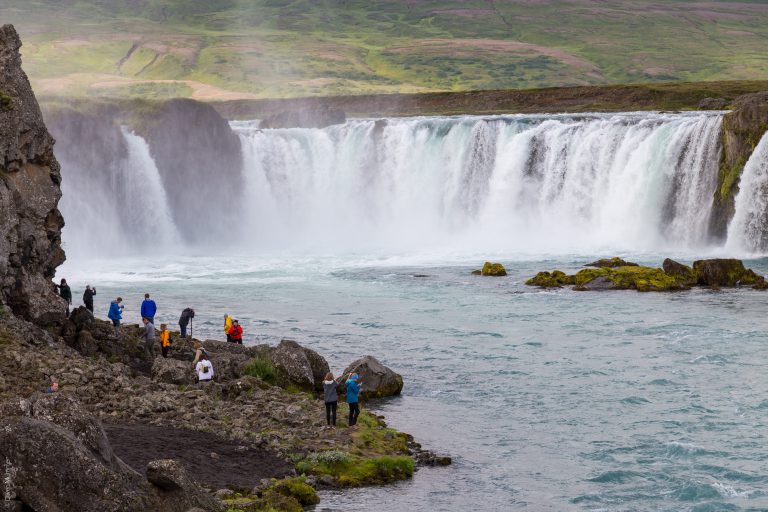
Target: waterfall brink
{"points": [[748, 230], [522, 184], [122, 210]]}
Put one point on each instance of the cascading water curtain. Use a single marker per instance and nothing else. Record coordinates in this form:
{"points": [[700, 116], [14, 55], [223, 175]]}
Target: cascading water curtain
{"points": [[748, 231], [505, 183]]}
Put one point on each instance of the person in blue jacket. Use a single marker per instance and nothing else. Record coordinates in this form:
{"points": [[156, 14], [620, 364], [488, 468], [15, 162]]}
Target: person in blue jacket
{"points": [[148, 309], [116, 313], [353, 392]]}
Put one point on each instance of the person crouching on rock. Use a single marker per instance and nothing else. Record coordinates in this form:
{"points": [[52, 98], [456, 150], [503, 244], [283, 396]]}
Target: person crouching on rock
{"points": [[353, 400], [331, 397], [204, 369], [199, 351], [116, 313], [165, 340], [236, 333]]}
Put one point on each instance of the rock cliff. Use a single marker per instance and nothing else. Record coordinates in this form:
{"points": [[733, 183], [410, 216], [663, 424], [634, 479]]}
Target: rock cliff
{"points": [[30, 232], [742, 130]]}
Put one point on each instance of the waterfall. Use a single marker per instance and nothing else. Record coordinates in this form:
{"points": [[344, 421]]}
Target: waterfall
{"points": [[523, 184], [122, 210], [747, 231]]}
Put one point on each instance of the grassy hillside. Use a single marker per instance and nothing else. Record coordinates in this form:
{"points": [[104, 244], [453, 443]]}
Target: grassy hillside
{"points": [[228, 49]]}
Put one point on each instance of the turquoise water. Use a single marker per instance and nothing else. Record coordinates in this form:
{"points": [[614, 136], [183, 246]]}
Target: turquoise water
{"points": [[546, 400]]}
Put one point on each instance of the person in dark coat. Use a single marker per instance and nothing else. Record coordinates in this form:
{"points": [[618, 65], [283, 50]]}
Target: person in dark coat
{"points": [[186, 315], [65, 292], [88, 297]]}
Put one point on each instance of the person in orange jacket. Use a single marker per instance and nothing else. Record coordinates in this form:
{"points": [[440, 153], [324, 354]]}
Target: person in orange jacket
{"points": [[236, 333], [227, 326], [165, 339]]}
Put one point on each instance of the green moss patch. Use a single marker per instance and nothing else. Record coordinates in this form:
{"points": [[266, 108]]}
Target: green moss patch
{"points": [[262, 368], [493, 269], [354, 471], [6, 102]]}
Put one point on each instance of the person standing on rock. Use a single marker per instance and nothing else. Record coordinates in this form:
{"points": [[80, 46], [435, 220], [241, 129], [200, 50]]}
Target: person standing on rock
{"points": [[65, 292], [204, 369], [227, 326], [88, 297], [148, 336], [148, 308], [331, 397], [353, 400], [236, 333], [165, 340], [186, 315], [116, 313]]}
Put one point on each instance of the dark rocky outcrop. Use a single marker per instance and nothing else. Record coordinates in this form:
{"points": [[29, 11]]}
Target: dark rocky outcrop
{"points": [[377, 380], [61, 460], [742, 130], [555, 279], [30, 234], [319, 117]]}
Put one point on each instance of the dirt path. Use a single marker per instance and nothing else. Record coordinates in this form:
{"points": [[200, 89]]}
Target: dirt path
{"points": [[232, 464]]}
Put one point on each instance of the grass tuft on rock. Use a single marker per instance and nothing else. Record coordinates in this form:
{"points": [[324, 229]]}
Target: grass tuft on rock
{"points": [[262, 368]]}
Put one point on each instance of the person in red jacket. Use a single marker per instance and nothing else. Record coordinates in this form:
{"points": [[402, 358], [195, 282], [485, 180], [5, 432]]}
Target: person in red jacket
{"points": [[236, 333]]}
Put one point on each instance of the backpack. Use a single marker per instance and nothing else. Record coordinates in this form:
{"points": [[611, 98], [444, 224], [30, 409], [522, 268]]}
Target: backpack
{"points": [[205, 368]]}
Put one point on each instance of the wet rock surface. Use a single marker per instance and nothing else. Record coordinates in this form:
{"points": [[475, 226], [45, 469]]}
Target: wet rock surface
{"points": [[377, 380]]}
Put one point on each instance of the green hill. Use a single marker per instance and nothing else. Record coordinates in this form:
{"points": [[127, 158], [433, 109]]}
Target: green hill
{"points": [[228, 49]]}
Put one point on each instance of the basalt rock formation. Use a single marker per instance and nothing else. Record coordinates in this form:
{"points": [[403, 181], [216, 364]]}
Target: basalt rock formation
{"points": [[742, 130], [30, 230]]}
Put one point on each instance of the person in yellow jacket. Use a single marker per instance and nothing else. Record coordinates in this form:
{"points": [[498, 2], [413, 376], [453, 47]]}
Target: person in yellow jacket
{"points": [[227, 326], [165, 339]]}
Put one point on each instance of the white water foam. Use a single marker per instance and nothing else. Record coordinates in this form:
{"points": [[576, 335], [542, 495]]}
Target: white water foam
{"points": [[747, 231]]}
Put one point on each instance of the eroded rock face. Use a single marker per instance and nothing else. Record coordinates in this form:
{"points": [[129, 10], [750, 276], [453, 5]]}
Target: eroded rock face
{"points": [[742, 130], [377, 380], [30, 232]]}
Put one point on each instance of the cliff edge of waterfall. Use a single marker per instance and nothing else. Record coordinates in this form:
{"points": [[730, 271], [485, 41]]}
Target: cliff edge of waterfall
{"points": [[30, 231], [743, 128], [198, 156]]}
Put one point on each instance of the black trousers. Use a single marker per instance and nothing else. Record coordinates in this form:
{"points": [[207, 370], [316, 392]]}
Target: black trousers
{"points": [[330, 412], [165, 351], [89, 306], [354, 412]]}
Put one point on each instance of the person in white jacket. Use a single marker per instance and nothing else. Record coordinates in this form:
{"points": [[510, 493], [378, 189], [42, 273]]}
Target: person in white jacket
{"points": [[204, 369]]}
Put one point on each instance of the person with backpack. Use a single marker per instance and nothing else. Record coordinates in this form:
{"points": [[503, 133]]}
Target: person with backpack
{"points": [[165, 340], [353, 400], [204, 369], [88, 297], [236, 333], [148, 308], [227, 326], [116, 313], [186, 315], [148, 336]]}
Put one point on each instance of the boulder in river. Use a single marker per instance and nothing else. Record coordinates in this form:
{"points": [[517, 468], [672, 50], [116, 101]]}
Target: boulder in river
{"points": [[555, 279], [726, 272], [679, 270], [614, 262], [377, 380], [493, 269]]}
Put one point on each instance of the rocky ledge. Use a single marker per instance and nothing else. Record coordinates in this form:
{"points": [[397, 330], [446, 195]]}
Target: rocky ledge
{"points": [[617, 274]]}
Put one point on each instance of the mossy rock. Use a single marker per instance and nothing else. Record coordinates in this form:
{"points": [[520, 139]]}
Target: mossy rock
{"points": [[555, 279], [611, 263], [642, 279], [725, 272], [493, 269], [680, 271], [298, 489]]}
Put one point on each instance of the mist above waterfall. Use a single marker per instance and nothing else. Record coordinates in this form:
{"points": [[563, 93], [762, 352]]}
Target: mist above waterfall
{"points": [[543, 184]]}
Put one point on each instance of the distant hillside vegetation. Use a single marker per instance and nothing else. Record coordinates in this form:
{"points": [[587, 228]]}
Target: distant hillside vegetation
{"points": [[230, 49]]}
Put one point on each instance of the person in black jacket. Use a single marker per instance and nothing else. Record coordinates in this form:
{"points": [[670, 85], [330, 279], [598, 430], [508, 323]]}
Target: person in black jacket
{"points": [[186, 315], [65, 292], [88, 297]]}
